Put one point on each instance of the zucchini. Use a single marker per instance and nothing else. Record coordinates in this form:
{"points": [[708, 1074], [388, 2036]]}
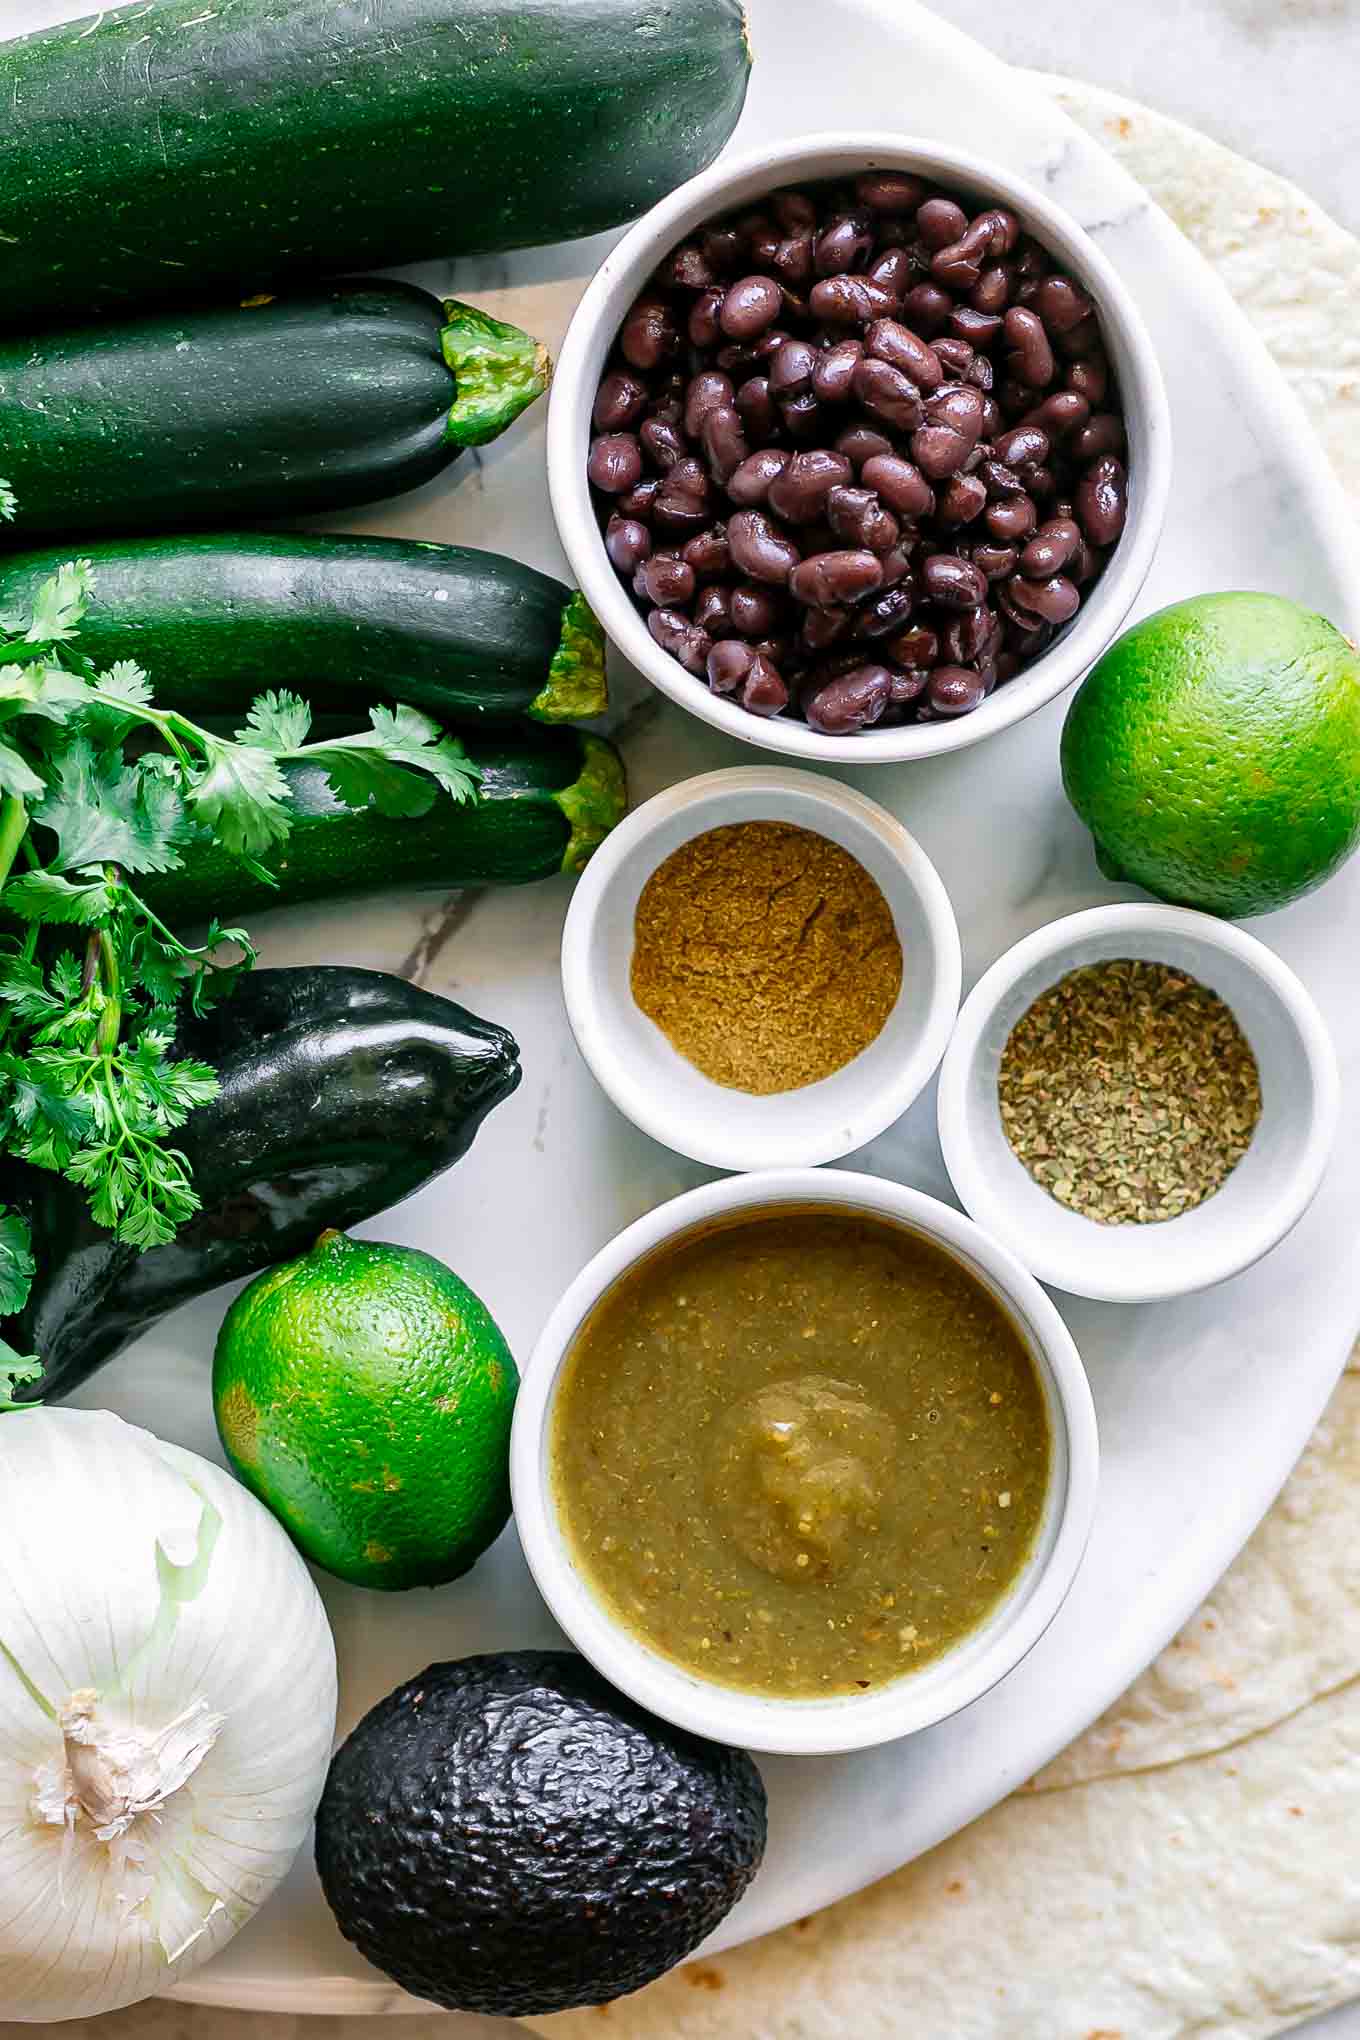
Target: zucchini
{"points": [[547, 799], [314, 399], [342, 1092], [171, 145], [468, 636]]}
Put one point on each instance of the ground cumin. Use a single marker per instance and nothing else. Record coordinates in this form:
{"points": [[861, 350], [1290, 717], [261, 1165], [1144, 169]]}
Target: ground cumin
{"points": [[766, 955]]}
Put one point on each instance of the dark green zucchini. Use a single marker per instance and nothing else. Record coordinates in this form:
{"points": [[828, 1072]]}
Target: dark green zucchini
{"points": [[316, 399], [342, 1092], [547, 799], [468, 636], [160, 148]]}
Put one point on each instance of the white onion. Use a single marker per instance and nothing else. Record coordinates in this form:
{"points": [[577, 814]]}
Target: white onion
{"points": [[167, 1709]]}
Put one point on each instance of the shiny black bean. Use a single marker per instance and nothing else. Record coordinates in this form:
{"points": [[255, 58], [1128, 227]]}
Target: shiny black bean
{"points": [[991, 417], [709, 388], [791, 369], [679, 511], [794, 211], [749, 484], [887, 612], [1083, 338], [979, 329], [1029, 357], [1102, 501], [759, 549], [1050, 601], [846, 243], [860, 519], [939, 222], [728, 663], [959, 265], [799, 494], [909, 683], [1090, 378], [708, 553], [851, 702], [791, 262], [1042, 483], [960, 501], [897, 563], [888, 394], [968, 636], [680, 637], [724, 441], [761, 234], [1084, 564], [724, 249], [640, 500], [1004, 229], [892, 271], [1103, 433], [627, 542], [956, 690], [901, 485], [830, 578], [750, 307], [891, 341], [992, 291], [995, 561], [1059, 415], [822, 628], [663, 443], [688, 268], [834, 373], [939, 451], [979, 374], [1059, 303], [917, 647], [845, 301], [648, 334], [759, 413], [1011, 518], [956, 355], [702, 325], [665, 580], [1051, 547], [1023, 446], [861, 443], [1015, 398], [999, 480], [755, 611], [763, 691], [889, 191], [802, 418], [713, 612], [741, 358], [952, 582], [926, 308], [619, 402], [615, 462]]}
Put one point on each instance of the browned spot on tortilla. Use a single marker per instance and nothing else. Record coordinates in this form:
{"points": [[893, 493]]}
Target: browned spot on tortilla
{"points": [[705, 1979]]}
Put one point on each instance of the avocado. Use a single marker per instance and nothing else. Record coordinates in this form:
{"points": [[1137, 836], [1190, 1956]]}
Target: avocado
{"points": [[507, 1834]]}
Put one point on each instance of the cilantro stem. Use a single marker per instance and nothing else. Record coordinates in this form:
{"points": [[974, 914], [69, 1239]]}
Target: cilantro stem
{"points": [[13, 829], [111, 1019]]}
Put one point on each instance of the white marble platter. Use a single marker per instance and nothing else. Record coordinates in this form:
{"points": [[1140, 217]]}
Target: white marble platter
{"points": [[1203, 1404]]}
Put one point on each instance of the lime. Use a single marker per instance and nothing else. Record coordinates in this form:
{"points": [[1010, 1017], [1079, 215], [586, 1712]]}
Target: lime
{"points": [[365, 1394], [1214, 752]]}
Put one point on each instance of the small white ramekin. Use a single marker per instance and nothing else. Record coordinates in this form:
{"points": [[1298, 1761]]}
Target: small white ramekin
{"points": [[736, 182], [1267, 1193], [915, 1701], [666, 1095]]}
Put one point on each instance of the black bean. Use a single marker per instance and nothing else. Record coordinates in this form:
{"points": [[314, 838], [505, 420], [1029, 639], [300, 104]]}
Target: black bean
{"points": [[888, 394], [713, 612], [959, 265], [741, 358], [861, 443], [760, 234], [834, 373], [1023, 446], [1050, 601], [1011, 518], [755, 611], [1029, 356], [953, 582], [834, 577], [724, 249], [1083, 338], [995, 561], [939, 221], [971, 637], [851, 702], [909, 683], [979, 374], [979, 329], [916, 647], [678, 510], [1102, 501], [887, 612], [663, 443], [1104, 433], [889, 191], [615, 462], [648, 333], [763, 691], [802, 417], [665, 580], [960, 501], [991, 293], [822, 628], [1043, 483], [680, 637], [939, 451], [896, 344], [759, 550], [846, 301], [702, 325], [892, 271], [800, 493], [1059, 303], [1060, 415], [860, 519], [749, 484], [750, 307], [899, 483], [724, 441], [999, 479], [757, 408], [897, 563], [728, 663], [991, 417], [1090, 378], [709, 388], [844, 244], [794, 211], [619, 402], [927, 309], [791, 369], [640, 500], [1051, 547], [708, 552], [956, 690], [627, 542]]}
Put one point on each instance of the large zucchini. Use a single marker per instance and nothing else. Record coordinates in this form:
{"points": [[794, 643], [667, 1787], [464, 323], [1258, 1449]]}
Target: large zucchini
{"points": [[342, 1091], [547, 798], [163, 146], [314, 399], [468, 636]]}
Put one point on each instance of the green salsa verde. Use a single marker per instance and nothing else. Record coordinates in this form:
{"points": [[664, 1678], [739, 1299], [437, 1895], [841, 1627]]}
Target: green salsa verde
{"points": [[799, 1453]]}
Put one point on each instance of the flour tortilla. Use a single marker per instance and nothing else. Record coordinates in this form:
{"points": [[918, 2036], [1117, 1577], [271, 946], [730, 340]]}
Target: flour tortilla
{"points": [[1189, 1865]]}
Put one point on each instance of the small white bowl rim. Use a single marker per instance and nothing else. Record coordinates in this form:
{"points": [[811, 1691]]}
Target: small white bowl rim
{"points": [[648, 1109], [757, 1722], [573, 394], [1249, 1243]]}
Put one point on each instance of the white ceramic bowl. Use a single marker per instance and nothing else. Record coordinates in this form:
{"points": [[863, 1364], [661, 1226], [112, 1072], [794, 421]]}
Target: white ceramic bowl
{"points": [[663, 1093], [814, 1727], [736, 182], [1266, 1194]]}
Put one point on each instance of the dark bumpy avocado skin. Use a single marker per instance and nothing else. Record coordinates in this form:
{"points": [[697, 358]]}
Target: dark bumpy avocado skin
{"points": [[509, 1835]]}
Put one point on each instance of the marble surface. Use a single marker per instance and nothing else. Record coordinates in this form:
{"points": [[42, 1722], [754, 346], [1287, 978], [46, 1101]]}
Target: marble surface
{"points": [[1025, 862]]}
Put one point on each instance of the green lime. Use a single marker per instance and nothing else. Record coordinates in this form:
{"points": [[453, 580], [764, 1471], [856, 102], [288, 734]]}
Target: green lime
{"points": [[1214, 752], [365, 1394]]}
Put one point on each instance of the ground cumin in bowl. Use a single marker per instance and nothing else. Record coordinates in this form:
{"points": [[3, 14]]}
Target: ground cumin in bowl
{"points": [[762, 968]]}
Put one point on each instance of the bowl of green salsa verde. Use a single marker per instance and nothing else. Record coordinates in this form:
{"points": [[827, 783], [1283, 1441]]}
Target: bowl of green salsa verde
{"points": [[804, 1461]]}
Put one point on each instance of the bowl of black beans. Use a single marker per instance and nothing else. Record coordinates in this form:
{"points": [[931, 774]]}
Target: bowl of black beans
{"points": [[859, 447]]}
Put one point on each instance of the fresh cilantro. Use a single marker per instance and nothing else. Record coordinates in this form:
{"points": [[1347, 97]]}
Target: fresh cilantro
{"points": [[277, 722], [102, 810], [15, 1370], [16, 1262], [8, 503]]}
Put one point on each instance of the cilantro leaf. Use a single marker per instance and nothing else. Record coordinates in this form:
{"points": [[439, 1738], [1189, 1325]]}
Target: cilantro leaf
{"points": [[15, 1370], [365, 778], [17, 775], [103, 811], [126, 679], [380, 764], [9, 502], [410, 738], [51, 1119], [23, 991], [60, 603], [41, 689], [17, 1267], [243, 796], [46, 896], [277, 722]]}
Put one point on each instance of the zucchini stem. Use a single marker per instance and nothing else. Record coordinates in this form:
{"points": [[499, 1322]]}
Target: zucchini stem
{"points": [[576, 684], [497, 371], [596, 799]]}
